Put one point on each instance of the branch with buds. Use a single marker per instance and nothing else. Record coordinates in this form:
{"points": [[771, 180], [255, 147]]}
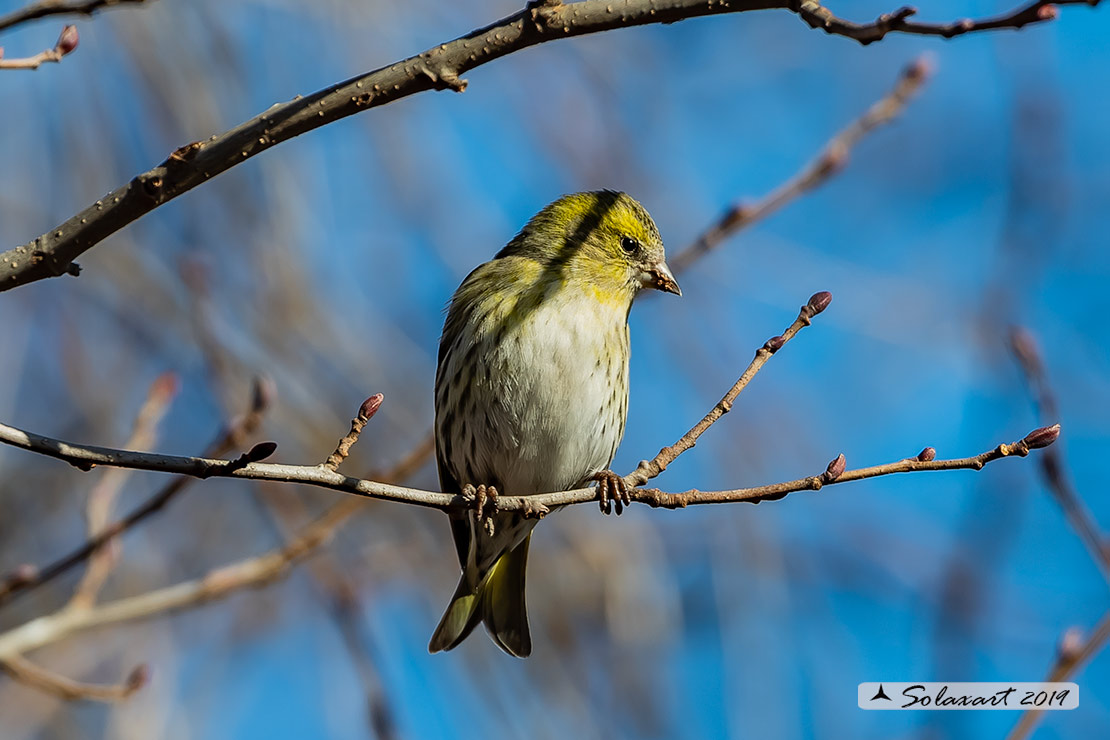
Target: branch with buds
{"points": [[438, 68], [251, 465], [67, 43]]}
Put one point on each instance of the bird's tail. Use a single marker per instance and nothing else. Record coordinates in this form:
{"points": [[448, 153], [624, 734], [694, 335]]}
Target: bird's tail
{"points": [[498, 601]]}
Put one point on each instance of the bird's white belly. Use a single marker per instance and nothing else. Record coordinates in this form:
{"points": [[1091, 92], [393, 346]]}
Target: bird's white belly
{"points": [[555, 388]]}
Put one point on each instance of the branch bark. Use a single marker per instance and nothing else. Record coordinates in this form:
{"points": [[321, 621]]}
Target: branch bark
{"points": [[247, 466], [44, 8], [441, 67]]}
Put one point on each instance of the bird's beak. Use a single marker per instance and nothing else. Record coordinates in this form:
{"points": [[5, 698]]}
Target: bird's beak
{"points": [[662, 279]]}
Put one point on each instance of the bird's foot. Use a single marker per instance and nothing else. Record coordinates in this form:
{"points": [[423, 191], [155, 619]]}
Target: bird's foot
{"points": [[612, 492], [485, 503], [534, 511]]}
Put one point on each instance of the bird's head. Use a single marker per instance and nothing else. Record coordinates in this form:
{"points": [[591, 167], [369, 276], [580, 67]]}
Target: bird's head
{"points": [[604, 239]]}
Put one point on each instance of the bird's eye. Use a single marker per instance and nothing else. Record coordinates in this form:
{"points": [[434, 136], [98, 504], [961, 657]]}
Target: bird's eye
{"points": [[629, 245]]}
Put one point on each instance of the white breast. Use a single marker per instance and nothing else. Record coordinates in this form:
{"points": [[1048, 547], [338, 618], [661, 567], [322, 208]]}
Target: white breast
{"points": [[550, 394]]}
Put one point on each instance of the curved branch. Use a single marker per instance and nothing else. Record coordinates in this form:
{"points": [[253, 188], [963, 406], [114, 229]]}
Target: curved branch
{"points": [[44, 8], [440, 68], [36, 677]]}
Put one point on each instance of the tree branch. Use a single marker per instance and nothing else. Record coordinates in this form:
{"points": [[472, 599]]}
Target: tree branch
{"points": [[44, 8], [1072, 655], [831, 160], [440, 68], [66, 43], [36, 677], [817, 16], [27, 577], [247, 466]]}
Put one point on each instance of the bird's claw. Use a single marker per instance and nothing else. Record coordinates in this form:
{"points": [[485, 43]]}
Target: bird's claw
{"points": [[485, 503], [612, 492], [534, 511]]}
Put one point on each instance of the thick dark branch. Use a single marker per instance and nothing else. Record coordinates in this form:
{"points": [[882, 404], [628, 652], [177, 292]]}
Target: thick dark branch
{"points": [[43, 8], [440, 67]]}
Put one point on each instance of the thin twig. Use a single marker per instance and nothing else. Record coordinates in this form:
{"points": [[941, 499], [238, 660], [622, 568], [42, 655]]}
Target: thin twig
{"points": [[366, 411], [103, 496], [44, 8], [441, 68], [818, 16], [85, 457], [26, 578], [831, 160], [1070, 659], [66, 43], [1052, 466], [36, 677], [251, 572], [215, 584], [1073, 653]]}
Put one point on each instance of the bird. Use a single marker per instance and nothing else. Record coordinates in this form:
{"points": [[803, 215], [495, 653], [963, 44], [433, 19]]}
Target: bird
{"points": [[531, 391]]}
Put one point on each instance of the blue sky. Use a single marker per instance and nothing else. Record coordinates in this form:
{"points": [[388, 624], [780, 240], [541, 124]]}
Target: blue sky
{"points": [[981, 207]]}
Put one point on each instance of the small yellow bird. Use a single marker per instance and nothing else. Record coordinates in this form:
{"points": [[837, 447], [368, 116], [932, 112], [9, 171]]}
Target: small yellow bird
{"points": [[531, 389]]}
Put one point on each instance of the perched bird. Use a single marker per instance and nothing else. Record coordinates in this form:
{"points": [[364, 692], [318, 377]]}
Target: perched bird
{"points": [[531, 390]]}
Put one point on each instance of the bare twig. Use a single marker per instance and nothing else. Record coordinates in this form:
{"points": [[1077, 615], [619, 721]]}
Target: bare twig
{"points": [[66, 43], [830, 161], [103, 496], [648, 469], [85, 457], [818, 16], [1071, 657], [1052, 466], [369, 407], [44, 8], [28, 673], [1073, 652], [27, 577], [251, 572], [440, 68]]}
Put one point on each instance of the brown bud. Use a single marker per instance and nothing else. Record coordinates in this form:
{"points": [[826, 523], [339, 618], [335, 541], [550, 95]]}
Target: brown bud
{"points": [[261, 451], [920, 68], [263, 392], [774, 344], [835, 469], [137, 678], [165, 386], [370, 407], [1024, 347], [67, 41], [1042, 437], [927, 455], [1071, 644], [1048, 12], [818, 302]]}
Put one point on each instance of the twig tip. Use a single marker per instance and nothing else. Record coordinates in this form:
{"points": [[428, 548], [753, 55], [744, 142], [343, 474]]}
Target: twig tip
{"points": [[1042, 437], [370, 407], [67, 41], [818, 302]]}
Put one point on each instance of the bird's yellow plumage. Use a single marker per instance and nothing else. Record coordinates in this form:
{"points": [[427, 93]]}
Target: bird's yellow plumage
{"points": [[532, 387]]}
